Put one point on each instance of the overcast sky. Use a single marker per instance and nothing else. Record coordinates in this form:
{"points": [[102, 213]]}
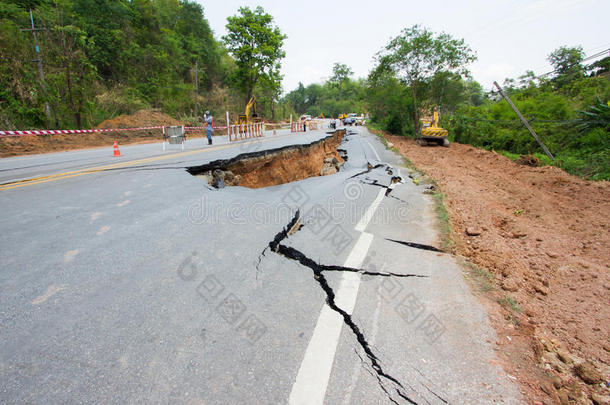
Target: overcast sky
{"points": [[509, 36]]}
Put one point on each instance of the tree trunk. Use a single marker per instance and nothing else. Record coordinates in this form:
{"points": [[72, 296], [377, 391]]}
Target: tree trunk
{"points": [[79, 113], [415, 111], [249, 96], [272, 110], [69, 83]]}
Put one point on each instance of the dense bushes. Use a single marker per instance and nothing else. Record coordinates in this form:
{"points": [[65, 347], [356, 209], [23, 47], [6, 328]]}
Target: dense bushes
{"points": [[579, 141]]}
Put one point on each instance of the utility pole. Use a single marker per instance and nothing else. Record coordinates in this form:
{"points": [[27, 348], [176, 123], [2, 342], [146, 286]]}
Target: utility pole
{"points": [[524, 121], [38, 59]]}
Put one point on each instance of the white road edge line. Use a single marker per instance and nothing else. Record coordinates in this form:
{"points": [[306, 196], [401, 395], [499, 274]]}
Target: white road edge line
{"points": [[374, 151], [368, 215], [312, 379]]}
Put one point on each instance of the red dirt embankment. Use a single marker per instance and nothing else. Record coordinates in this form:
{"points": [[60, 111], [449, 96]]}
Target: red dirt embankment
{"points": [[544, 237], [287, 166], [27, 145]]}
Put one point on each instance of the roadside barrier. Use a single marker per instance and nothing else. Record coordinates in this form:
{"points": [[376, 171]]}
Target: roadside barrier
{"points": [[202, 128], [297, 127], [245, 131], [236, 132], [88, 131], [117, 152], [69, 131], [175, 135]]}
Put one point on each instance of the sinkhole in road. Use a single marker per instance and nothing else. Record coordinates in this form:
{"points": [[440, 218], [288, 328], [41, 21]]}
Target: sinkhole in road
{"points": [[276, 166]]}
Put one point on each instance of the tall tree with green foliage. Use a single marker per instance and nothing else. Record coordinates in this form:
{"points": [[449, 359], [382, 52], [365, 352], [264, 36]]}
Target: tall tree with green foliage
{"points": [[341, 72], [256, 44], [389, 100], [418, 54], [78, 72], [567, 62]]}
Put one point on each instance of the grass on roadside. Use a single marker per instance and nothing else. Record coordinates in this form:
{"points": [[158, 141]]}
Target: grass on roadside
{"points": [[510, 304], [480, 277], [443, 220], [512, 308]]}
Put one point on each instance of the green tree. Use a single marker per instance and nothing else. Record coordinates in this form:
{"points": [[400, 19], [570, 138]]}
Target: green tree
{"points": [[21, 97], [389, 100], [256, 44], [418, 54], [445, 90], [341, 73], [296, 98], [475, 92], [29, 4], [79, 74], [567, 62]]}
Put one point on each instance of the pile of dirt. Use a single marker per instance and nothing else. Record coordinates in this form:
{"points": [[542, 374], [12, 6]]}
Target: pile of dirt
{"points": [[543, 235], [528, 160], [142, 118], [26, 145]]}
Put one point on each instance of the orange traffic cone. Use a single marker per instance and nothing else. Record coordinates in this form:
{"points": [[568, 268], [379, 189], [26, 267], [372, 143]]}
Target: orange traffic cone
{"points": [[117, 152]]}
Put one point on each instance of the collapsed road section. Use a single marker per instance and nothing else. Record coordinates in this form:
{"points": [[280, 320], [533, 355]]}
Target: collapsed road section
{"points": [[276, 166]]}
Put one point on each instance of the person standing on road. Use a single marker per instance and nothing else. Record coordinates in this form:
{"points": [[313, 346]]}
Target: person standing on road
{"points": [[209, 124]]}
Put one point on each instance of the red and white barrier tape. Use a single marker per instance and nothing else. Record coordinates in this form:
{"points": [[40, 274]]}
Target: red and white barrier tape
{"points": [[87, 131], [68, 131], [198, 128]]}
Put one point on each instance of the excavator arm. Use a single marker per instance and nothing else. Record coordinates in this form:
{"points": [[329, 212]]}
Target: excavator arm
{"points": [[251, 106], [247, 118]]}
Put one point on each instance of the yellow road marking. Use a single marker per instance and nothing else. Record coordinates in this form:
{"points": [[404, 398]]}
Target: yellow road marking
{"points": [[90, 170]]}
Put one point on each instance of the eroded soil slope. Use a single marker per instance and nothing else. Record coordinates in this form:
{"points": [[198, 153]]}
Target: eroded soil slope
{"points": [[543, 234]]}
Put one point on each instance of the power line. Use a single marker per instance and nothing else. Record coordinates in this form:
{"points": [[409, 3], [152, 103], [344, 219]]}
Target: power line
{"points": [[597, 55]]}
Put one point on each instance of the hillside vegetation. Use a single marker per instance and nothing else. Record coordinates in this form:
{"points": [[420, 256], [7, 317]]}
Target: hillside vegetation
{"points": [[103, 58]]}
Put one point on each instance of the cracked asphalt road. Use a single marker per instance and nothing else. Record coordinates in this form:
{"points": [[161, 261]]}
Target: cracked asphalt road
{"points": [[137, 284]]}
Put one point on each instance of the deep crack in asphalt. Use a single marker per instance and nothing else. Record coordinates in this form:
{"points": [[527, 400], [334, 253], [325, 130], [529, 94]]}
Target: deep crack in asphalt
{"points": [[291, 253], [369, 167], [416, 245]]}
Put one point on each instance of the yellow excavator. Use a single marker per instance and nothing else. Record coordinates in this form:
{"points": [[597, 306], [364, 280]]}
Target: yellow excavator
{"points": [[246, 118], [431, 133]]}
